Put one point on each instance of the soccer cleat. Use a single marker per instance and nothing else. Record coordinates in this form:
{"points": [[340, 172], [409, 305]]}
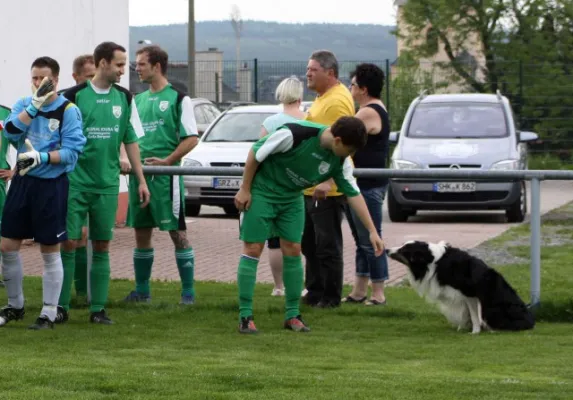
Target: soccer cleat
{"points": [[42, 322], [61, 315], [100, 317], [135, 297], [278, 292], [8, 314], [187, 299], [296, 324], [247, 325]]}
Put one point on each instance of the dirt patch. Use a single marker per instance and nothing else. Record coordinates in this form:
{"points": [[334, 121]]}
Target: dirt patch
{"points": [[556, 230]]}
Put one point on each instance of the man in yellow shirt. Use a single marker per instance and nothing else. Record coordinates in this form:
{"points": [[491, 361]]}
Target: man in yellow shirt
{"points": [[322, 238]]}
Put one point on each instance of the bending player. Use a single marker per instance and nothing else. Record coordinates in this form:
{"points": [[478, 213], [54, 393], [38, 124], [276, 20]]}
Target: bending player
{"points": [[170, 133], [48, 132], [297, 156]]}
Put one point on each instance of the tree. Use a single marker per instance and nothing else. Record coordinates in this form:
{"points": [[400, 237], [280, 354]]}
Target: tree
{"points": [[526, 48], [409, 81]]}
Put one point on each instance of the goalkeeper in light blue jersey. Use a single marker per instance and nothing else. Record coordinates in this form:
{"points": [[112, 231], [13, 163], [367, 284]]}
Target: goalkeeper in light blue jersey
{"points": [[47, 130]]}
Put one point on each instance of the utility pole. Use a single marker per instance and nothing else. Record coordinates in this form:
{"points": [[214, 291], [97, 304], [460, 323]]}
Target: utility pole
{"points": [[191, 50], [237, 23]]}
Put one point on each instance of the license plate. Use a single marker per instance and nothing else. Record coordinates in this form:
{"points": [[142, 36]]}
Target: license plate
{"points": [[227, 183], [454, 187]]}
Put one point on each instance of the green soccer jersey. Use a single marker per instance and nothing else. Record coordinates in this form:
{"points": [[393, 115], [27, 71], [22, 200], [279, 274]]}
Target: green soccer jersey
{"points": [[292, 159], [4, 112], [109, 118], [167, 118]]}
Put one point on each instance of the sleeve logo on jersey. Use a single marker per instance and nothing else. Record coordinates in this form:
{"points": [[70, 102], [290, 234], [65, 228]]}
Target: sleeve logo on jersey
{"points": [[53, 124], [323, 167], [116, 111], [163, 105]]}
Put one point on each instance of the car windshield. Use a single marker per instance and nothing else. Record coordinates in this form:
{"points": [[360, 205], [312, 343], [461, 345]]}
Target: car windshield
{"points": [[459, 121], [237, 127]]}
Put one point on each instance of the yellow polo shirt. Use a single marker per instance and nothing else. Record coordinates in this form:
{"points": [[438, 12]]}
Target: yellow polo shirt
{"points": [[326, 109]]}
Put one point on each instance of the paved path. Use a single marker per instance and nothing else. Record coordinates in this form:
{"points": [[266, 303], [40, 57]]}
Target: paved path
{"points": [[217, 248]]}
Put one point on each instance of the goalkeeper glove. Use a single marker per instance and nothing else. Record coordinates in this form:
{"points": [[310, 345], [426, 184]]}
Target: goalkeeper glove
{"points": [[40, 96], [31, 159]]}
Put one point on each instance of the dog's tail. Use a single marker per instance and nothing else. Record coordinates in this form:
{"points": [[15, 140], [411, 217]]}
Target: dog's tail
{"points": [[502, 308]]}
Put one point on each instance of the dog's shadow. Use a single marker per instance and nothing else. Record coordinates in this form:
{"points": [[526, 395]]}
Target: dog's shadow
{"points": [[554, 311]]}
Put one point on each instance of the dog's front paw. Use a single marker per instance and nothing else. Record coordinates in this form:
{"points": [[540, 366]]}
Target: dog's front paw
{"points": [[475, 331]]}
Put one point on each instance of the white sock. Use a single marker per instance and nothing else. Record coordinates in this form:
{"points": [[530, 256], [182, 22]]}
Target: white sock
{"points": [[52, 284], [13, 276]]}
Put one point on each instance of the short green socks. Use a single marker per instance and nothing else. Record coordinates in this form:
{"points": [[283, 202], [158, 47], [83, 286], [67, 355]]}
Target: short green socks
{"points": [[81, 272], [99, 280], [69, 264], [185, 259], [142, 264], [246, 279], [293, 277]]}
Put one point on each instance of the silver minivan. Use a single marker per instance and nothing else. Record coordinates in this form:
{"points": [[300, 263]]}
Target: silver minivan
{"points": [[459, 131]]}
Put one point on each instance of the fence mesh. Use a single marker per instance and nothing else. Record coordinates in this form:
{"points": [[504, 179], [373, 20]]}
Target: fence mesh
{"points": [[540, 93]]}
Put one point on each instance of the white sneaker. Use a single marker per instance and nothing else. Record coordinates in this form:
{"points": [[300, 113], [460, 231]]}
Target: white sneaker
{"points": [[278, 292], [304, 292]]}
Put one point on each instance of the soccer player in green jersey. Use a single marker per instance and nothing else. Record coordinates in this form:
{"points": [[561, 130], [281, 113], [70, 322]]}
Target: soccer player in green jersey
{"points": [[170, 133], [83, 69], [297, 156], [109, 118], [5, 171]]}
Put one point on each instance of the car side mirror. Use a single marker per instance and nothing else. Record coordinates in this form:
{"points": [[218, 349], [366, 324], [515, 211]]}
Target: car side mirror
{"points": [[525, 136], [393, 138]]}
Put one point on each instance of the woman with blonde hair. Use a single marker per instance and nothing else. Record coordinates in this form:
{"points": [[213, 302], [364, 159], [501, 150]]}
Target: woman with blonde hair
{"points": [[289, 93]]}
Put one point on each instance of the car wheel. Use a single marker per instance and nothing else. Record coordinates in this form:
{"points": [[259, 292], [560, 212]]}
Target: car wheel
{"points": [[230, 210], [395, 210], [518, 210], [192, 210]]}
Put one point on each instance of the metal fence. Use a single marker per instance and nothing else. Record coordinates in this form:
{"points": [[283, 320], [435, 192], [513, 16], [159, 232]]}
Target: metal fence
{"points": [[535, 176], [540, 93]]}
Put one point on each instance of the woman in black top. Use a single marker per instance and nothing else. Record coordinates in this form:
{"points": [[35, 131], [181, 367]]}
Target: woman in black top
{"points": [[367, 82]]}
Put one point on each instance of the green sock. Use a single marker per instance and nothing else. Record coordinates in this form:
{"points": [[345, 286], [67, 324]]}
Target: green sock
{"points": [[99, 280], [142, 264], [185, 259], [293, 276], [246, 278], [81, 271], [69, 264]]}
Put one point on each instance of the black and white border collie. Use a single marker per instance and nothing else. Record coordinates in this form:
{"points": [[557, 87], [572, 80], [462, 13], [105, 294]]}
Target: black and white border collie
{"points": [[466, 290]]}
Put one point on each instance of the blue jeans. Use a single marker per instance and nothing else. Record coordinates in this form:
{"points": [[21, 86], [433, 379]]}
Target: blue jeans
{"points": [[367, 264]]}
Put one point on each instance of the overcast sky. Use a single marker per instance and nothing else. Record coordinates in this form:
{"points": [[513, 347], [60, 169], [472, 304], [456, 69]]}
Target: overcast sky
{"points": [[161, 12]]}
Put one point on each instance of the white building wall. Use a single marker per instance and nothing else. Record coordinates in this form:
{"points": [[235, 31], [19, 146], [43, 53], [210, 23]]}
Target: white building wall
{"points": [[61, 29]]}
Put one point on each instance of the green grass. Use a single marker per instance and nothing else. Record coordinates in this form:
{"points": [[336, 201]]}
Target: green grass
{"points": [[548, 161], [404, 350]]}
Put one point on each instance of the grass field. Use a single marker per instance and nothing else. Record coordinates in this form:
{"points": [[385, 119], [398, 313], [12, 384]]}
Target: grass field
{"points": [[404, 350]]}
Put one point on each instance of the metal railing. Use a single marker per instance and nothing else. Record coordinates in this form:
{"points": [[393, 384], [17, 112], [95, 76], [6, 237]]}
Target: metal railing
{"points": [[535, 176]]}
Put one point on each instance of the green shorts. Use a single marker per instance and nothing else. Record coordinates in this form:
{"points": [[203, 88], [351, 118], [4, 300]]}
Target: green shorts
{"points": [[266, 219], [166, 209], [98, 209]]}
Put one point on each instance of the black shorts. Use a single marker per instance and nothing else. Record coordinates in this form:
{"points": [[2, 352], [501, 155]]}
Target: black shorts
{"points": [[36, 208], [274, 243]]}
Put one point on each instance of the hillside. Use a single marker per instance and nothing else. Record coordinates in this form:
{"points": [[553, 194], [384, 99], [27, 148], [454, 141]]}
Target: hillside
{"points": [[272, 41]]}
